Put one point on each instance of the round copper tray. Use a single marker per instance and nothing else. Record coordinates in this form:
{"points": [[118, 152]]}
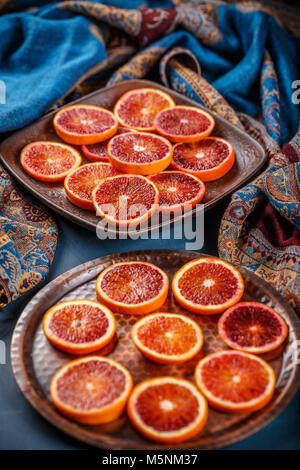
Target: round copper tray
{"points": [[35, 361]]}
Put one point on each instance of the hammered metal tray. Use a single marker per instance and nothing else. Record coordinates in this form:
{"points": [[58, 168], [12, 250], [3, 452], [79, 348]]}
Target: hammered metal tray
{"points": [[35, 361], [250, 156]]}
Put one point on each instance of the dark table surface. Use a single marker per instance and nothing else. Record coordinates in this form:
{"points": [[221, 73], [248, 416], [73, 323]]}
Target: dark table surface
{"points": [[21, 427]]}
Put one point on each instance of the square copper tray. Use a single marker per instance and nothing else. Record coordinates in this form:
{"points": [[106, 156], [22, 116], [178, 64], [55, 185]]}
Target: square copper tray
{"points": [[250, 156]]}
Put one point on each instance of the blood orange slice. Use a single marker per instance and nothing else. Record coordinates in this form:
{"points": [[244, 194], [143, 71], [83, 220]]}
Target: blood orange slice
{"points": [[79, 326], [209, 159], [184, 124], [139, 153], [125, 199], [177, 190], [252, 327], [49, 161], [235, 381], [82, 124], [207, 286], [167, 409], [98, 152], [167, 338], [138, 108], [91, 390], [80, 183], [133, 287]]}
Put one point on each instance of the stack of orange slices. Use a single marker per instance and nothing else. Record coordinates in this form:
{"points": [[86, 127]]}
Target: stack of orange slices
{"points": [[136, 139], [96, 389]]}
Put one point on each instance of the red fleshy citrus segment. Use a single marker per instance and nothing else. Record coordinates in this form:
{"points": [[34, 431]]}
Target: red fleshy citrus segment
{"points": [[72, 386], [140, 153], [167, 337], [79, 326], [91, 390], [177, 190], [49, 161], [184, 124], [80, 183], [167, 409], [125, 199], [209, 159], [235, 381], [133, 287], [137, 109], [252, 327], [84, 124], [207, 285], [130, 283], [98, 152]]}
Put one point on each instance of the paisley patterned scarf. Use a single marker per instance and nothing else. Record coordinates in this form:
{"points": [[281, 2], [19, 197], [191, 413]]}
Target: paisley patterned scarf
{"points": [[241, 59]]}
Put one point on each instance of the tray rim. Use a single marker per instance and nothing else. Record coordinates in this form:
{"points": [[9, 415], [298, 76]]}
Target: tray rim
{"points": [[139, 84], [82, 434]]}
